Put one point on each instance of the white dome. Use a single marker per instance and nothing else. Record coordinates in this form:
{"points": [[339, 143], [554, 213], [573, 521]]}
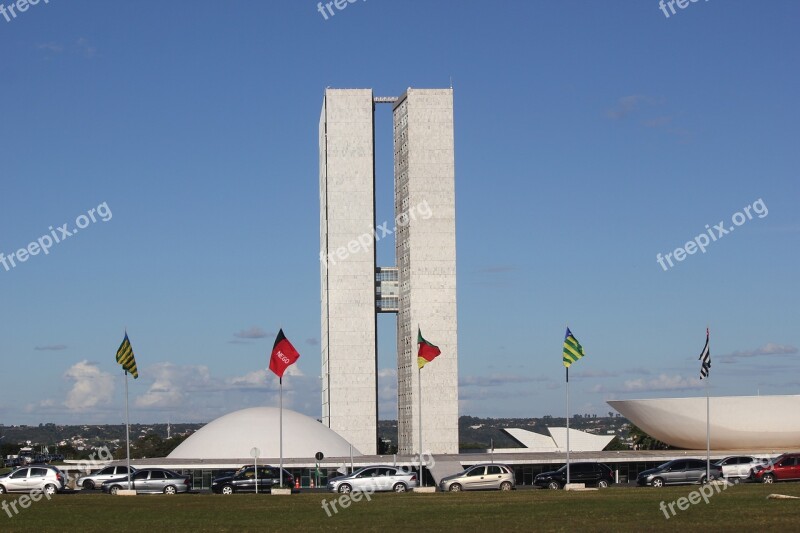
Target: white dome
{"points": [[232, 436]]}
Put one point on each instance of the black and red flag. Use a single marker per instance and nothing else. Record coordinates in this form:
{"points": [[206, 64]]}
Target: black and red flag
{"points": [[283, 355]]}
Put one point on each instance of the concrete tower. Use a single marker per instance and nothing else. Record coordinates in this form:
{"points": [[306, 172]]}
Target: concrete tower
{"points": [[421, 288], [424, 167], [347, 211]]}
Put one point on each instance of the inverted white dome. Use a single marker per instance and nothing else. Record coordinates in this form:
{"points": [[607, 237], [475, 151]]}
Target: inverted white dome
{"points": [[737, 422], [232, 436]]}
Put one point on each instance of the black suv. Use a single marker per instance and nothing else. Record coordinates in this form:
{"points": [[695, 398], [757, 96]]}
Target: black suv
{"points": [[244, 480], [594, 474]]}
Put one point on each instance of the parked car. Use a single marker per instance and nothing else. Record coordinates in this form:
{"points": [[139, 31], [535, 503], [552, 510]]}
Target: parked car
{"points": [[783, 468], [374, 479], [150, 480], [678, 472], [480, 477], [12, 462], [95, 480], [48, 479], [740, 466], [594, 474], [244, 480]]}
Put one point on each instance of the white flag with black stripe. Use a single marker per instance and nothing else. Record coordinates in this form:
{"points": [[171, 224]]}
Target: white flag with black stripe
{"points": [[705, 357]]}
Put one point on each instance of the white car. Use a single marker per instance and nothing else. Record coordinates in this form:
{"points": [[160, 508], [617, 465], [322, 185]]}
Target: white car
{"points": [[740, 466], [374, 479], [95, 481], [45, 478]]}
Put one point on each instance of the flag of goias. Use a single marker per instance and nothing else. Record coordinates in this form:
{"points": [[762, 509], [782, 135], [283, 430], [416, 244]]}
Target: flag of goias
{"points": [[705, 358], [125, 357], [427, 351], [283, 355], [572, 349]]}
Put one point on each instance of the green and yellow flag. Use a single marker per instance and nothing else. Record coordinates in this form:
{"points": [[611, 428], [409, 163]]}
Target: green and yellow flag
{"points": [[572, 349], [125, 357]]}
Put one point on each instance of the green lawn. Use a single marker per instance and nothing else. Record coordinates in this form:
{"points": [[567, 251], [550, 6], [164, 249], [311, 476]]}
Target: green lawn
{"points": [[742, 507]]}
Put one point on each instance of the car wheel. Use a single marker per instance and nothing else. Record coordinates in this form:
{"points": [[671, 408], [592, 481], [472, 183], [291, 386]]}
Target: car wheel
{"points": [[114, 490], [505, 485], [769, 478], [602, 484], [554, 485], [455, 487], [703, 480], [88, 484], [658, 482], [344, 488], [399, 487], [2, 489], [49, 489], [170, 489], [227, 490]]}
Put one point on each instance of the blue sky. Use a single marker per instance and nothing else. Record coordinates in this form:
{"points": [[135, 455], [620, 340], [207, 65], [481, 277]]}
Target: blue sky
{"points": [[590, 137]]}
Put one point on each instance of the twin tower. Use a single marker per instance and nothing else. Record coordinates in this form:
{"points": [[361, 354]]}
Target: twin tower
{"points": [[420, 288]]}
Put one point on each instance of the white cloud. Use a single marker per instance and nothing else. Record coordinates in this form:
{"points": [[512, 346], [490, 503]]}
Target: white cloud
{"points": [[51, 348], [171, 383], [92, 387], [254, 332], [497, 380], [627, 105], [663, 382], [770, 348]]}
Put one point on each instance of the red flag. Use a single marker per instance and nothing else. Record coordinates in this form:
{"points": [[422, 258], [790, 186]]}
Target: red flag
{"points": [[283, 355]]}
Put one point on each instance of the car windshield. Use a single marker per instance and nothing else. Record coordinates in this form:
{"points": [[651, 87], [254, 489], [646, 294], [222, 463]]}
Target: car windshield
{"points": [[665, 465]]}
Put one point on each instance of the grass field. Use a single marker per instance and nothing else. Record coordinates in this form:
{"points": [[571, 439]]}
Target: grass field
{"points": [[742, 508]]}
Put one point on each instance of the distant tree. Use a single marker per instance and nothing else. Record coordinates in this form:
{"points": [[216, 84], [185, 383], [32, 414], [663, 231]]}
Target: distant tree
{"points": [[643, 441], [616, 444], [150, 445]]}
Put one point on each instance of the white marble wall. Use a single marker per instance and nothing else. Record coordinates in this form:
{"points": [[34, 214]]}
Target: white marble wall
{"points": [[426, 258], [347, 191]]}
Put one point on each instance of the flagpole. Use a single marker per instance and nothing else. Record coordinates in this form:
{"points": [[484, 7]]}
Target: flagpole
{"points": [[281, 431], [127, 432], [419, 402], [708, 434], [567, 369]]}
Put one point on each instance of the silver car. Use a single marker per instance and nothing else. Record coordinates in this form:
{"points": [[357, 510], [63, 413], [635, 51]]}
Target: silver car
{"points": [[93, 481], [150, 480], [45, 478], [480, 477], [741, 466], [375, 479]]}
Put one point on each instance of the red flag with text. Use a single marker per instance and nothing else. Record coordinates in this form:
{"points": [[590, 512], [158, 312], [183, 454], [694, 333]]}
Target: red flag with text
{"points": [[283, 355]]}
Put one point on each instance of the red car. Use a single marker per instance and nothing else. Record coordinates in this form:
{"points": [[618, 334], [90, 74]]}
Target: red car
{"points": [[782, 468]]}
